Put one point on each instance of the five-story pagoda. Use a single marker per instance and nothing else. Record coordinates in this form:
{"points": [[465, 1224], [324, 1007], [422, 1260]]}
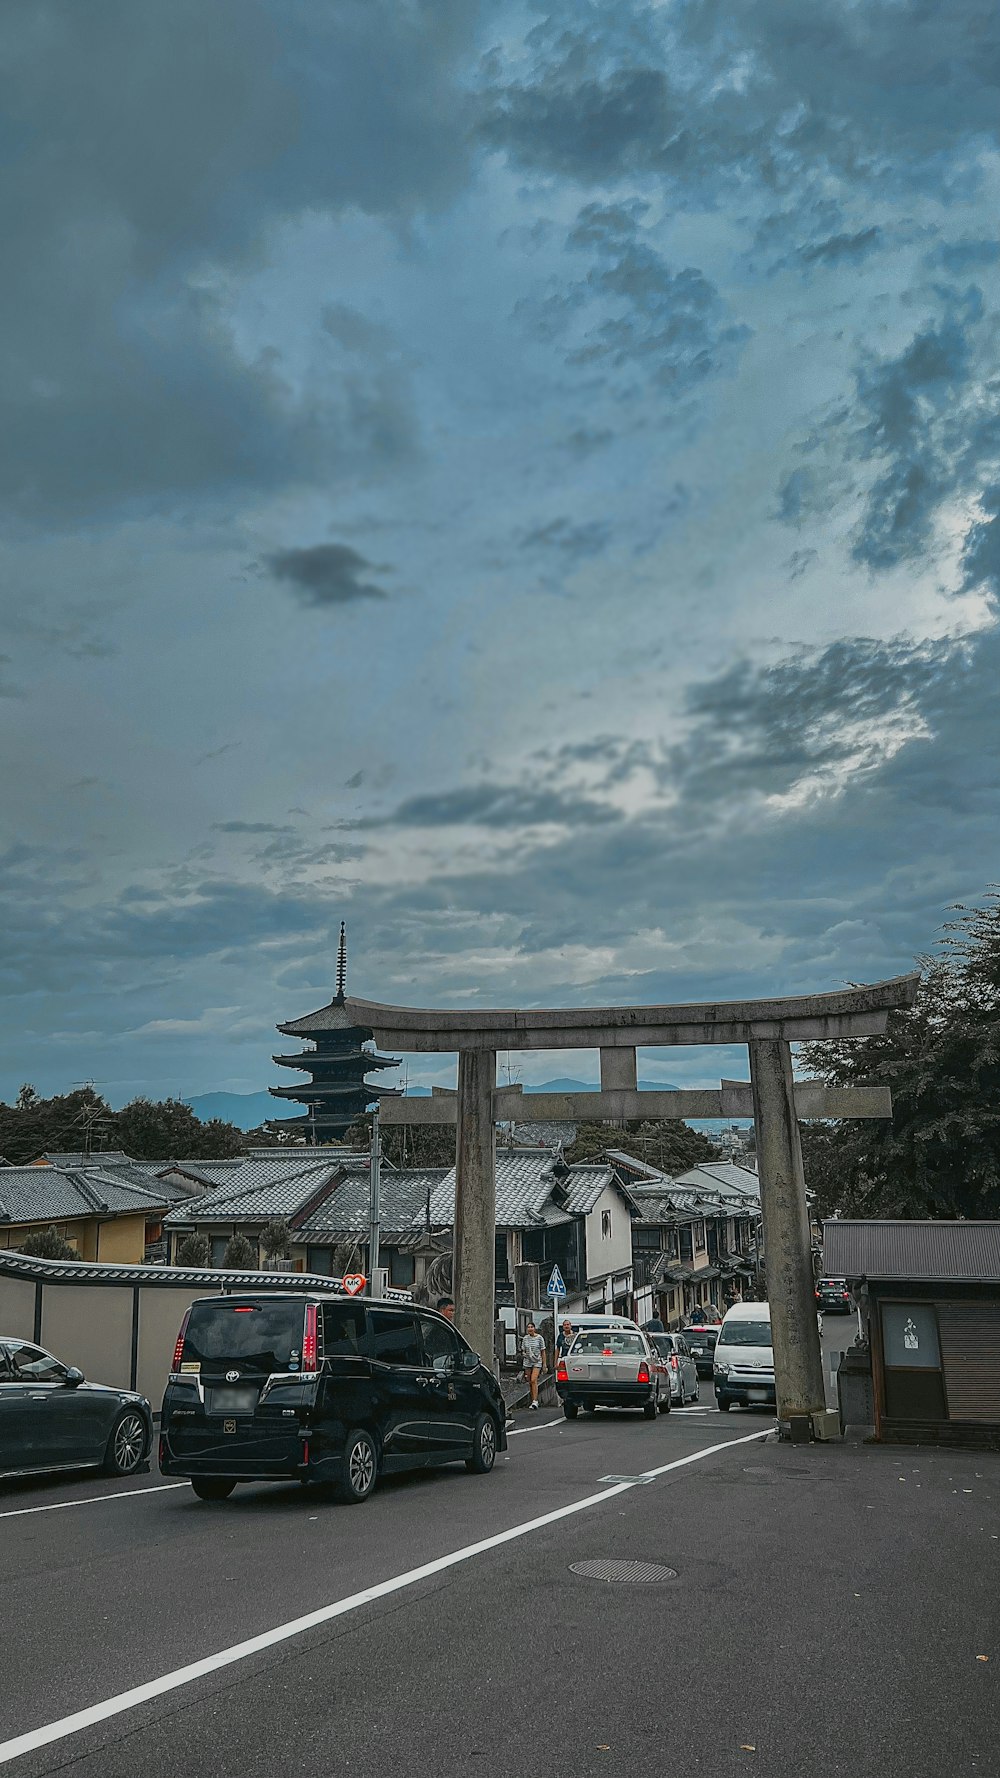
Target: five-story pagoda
{"points": [[337, 1094]]}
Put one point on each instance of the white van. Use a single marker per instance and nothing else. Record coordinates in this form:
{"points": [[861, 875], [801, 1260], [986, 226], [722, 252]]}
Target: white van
{"points": [[744, 1358]]}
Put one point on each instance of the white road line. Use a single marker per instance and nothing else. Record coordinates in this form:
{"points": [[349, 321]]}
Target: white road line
{"points": [[542, 1426], [58, 1506], [241, 1651]]}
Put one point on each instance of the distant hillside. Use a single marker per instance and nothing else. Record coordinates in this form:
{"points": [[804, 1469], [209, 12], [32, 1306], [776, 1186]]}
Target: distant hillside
{"points": [[248, 1110]]}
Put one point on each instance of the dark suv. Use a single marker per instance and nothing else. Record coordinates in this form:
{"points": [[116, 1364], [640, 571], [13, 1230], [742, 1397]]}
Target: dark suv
{"points": [[833, 1296], [329, 1389]]}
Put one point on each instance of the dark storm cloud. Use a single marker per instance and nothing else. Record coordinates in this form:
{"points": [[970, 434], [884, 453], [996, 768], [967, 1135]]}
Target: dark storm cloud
{"points": [[148, 147], [577, 541], [326, 574], [631, 316], [763, 729], [871, 93], [923, 428], [841, 249], [248, 827], [493, 805]]}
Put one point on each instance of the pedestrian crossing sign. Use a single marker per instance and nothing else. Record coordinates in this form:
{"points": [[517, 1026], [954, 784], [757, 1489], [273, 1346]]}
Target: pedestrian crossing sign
{"points": [[556, 1287]]}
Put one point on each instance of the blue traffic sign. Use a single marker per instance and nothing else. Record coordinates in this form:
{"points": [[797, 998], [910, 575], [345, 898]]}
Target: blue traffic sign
{"points": [[555, 1286]]}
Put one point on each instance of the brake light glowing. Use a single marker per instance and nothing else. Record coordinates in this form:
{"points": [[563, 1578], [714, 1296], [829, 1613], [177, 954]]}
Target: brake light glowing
{"points": [[247, 1309], [310, 1339], [643, 1376], [674, 1361], [562, 1374], [179, 1347]]}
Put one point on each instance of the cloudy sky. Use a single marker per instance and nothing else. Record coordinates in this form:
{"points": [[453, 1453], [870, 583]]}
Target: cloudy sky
{"points": [[524, 478]]}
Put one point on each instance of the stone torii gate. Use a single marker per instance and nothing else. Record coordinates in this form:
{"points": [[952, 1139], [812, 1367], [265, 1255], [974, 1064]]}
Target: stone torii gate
{"points": [[776, 1102]]}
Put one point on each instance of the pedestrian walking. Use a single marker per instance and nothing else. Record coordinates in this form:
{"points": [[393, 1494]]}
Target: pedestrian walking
{"points": [[655, 1325], [565, 1339], [533, 1360]]}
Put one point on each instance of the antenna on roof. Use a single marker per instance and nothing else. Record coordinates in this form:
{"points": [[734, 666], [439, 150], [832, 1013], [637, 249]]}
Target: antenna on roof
{"points": [[342, 961]]}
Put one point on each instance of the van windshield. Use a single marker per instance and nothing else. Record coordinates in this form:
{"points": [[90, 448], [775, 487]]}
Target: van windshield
{"points": [[254, 1337], [746, 1333]]}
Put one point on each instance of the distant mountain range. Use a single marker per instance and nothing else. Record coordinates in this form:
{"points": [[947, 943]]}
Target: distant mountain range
{"points": [[248, 1110]]}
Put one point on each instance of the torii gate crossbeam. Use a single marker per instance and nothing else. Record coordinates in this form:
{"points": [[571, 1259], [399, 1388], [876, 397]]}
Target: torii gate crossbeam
{"points": [[767, 1027]]}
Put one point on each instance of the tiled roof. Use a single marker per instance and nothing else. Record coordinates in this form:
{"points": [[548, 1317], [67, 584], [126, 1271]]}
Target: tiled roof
{"points": [[937, 1252], [51, 1194], [93, 1158], [551, 1134], [403, 1204], [248, 1197], [525, 1183], [712, 1174]]}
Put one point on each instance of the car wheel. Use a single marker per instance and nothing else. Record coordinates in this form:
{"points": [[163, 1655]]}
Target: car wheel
{"points": [[484, 1446], [724, 1406], [127, 1444], [571, 1409], [358, 1468], [212, 1487], [697, 1392], [649, 1410], [589, 1407], [664, 1404]]}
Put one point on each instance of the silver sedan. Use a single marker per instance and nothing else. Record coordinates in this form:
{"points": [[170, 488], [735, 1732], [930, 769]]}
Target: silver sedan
{"points": [[673, 1352]]}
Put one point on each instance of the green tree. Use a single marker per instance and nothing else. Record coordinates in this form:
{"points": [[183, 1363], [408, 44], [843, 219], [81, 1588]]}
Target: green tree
{"points": [[240, 1255], [193, 1250], [47, 1244], [168, 1130], [276, 1239], [671, 1145], [939, 1154], [408, 1145], [69, 1122]]}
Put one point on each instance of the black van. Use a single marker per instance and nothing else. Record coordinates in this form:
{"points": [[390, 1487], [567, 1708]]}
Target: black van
{"points": [[332, 1389]]}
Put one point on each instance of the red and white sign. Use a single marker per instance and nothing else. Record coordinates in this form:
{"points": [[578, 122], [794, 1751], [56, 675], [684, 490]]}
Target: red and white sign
{"points": [[354, 1284]]}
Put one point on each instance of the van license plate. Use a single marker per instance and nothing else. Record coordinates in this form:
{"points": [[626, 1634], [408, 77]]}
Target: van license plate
{"points": [[232, 1401], [758, 1394]]}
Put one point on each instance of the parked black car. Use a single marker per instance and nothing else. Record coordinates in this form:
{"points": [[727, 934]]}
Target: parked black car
{"points": [[52, 1418], [329, 1389]]}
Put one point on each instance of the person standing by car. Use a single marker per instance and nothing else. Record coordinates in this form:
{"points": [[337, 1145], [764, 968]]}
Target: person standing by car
{"points": [[533, 1359], [446, 1306], [565, 1340]]}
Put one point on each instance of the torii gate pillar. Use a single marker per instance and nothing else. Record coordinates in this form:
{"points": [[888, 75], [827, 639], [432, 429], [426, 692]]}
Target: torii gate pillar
{"points": [[476, 1201], [798, 1359]]}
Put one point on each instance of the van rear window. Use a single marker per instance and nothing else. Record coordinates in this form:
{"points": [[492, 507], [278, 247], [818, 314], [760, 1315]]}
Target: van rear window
{"points": [[255, 1337], [746, 1333]]}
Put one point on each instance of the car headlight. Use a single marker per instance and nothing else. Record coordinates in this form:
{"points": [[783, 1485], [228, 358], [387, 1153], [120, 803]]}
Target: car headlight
{"points": [[722, 1370]]}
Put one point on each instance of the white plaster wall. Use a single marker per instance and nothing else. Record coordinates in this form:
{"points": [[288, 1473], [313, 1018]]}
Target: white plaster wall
{"points": [[604, 1255]]}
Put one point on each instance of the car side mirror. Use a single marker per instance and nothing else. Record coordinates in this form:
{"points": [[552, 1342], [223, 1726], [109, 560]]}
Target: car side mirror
{"points": [[443, 1366], [73, 1377], [470, 1361]]}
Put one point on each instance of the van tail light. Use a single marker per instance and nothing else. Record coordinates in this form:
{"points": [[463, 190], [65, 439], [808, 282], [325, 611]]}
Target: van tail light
{"points": [[310, 1342], [562, 1374], [674, 1361], [179, 1347], [644, 1376]]}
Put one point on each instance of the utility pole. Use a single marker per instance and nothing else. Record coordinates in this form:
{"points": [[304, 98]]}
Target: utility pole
{"points": [[374, 1195]]}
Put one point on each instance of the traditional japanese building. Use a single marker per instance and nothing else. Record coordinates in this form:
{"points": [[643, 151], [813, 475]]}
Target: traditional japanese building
{"points": [[337, 1093]]}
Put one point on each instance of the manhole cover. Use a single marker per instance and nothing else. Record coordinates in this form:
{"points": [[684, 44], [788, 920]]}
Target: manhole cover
{"points": [[636, 1574]]}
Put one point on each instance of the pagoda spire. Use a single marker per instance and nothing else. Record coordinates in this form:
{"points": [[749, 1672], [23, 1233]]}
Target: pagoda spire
{"points": [[342, 962]]}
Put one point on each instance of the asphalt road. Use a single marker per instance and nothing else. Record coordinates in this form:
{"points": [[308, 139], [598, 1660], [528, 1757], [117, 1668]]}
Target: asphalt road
{"points": [[828, 1611]]}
